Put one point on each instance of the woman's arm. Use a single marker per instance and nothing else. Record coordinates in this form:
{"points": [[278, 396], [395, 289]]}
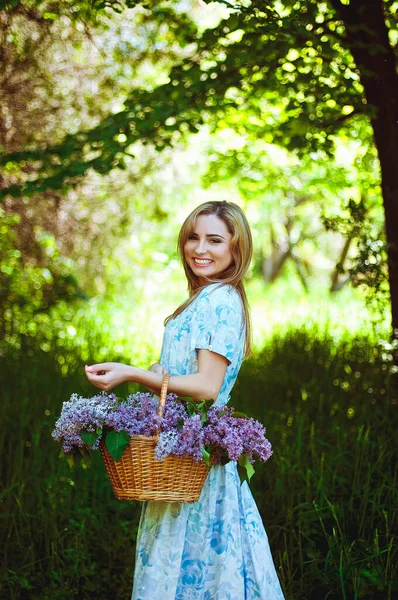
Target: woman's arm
{"points": [[203, 385], [156, 368]]}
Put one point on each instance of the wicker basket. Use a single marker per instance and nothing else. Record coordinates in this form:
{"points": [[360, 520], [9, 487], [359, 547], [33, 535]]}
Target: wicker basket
{"points": [[139, 476]]}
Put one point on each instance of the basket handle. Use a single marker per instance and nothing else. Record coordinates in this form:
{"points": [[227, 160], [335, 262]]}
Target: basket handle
{"points": [[163, 393], [162, 402]]}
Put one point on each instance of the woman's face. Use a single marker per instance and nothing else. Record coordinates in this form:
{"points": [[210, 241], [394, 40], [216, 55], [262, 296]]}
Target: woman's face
{"points": [[208, 248]]}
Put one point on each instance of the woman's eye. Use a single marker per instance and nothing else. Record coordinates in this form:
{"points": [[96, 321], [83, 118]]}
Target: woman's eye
{"points": [[192, 237], [216, 241]]}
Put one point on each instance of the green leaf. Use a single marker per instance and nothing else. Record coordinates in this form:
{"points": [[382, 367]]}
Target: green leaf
{"points": [[203, 410], [222, 413], [246, 464], [242, 473], [191, 409], [85, 457], [116, 443], [240, 414], [206, 457], [89, 437], [70, 458]]}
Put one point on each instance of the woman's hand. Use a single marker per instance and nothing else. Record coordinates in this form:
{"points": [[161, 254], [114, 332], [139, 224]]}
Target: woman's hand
{"points": [[157, 368], [107, 375]]}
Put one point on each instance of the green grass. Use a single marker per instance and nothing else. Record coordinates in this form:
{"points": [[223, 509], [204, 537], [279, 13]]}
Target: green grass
{"points": [[327, 495]]}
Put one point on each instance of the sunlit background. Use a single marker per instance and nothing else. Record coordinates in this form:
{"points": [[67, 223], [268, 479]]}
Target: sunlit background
{"points": [[102, 256], [89, 271]]}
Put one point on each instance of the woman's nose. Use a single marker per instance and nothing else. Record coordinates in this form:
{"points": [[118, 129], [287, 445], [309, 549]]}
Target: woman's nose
{"points": [[201, 247]]}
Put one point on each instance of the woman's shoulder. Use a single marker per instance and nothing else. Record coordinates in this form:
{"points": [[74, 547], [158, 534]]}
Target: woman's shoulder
{"points": [[216, 293]]}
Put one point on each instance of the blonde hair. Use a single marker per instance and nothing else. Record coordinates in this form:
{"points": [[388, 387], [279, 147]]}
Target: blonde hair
{"points": [[241, 248]]}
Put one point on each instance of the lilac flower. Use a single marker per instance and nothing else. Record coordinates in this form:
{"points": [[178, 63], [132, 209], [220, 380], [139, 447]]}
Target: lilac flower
{"points": [[137, 415], [166, 443], [79, 414], [174, 413], [190, 438], [234, 436], [255, 444]]}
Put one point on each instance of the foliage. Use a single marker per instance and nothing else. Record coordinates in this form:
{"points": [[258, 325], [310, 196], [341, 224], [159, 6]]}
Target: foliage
{"points": [[285, 76], [59, 243], [66, 69], [291, 70], [327, 496], [157, 81], [30, 287], [156, 29], [370, 266]]}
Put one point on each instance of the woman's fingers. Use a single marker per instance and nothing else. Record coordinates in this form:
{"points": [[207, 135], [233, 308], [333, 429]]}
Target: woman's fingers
{"points": [[101, 367], [96, 379], [157, 368]]}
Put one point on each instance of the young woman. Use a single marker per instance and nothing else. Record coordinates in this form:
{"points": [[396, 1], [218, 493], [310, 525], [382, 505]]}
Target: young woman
{"points": [[216, 548]]}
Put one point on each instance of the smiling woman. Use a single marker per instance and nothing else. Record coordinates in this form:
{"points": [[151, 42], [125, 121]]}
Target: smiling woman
{"points": [[232, 230], [215, 548]]}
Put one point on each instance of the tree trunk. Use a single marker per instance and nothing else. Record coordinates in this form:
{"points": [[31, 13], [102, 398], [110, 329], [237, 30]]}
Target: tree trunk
{"points": [[367, 39], [272, 265]]}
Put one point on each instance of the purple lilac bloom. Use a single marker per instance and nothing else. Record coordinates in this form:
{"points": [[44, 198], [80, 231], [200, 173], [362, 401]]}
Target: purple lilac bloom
{"points": [[82, 414], [137, 415], [234, 436], [174, 413], [255, 444], [190, 438], [166, 443]]}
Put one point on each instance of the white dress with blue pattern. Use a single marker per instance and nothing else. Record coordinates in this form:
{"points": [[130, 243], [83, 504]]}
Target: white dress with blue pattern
{"points": [[216, 548]]}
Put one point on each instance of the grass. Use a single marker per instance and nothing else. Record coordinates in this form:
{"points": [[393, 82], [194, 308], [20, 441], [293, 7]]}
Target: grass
{"points": [[327, 496], [64, 536]]}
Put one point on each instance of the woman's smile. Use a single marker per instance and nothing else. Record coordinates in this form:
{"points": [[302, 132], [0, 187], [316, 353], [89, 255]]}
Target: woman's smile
{"points": [[202, 262]]}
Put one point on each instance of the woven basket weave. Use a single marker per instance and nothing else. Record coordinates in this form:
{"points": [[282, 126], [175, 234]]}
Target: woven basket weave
{"points": [[139, 476]]}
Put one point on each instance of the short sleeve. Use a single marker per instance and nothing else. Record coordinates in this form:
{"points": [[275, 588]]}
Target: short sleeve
{"points": [[217, 321]]}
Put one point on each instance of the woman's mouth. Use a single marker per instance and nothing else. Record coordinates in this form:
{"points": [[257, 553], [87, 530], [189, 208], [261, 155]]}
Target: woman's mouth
{"points": [[201, 262]]}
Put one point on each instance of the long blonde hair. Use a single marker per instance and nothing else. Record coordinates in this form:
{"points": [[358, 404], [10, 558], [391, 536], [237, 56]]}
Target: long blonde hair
{"points": [[241, 248]]}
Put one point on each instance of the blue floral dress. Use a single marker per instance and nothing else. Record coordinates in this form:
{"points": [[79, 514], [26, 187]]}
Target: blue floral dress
{"points": [[216, 548]]}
